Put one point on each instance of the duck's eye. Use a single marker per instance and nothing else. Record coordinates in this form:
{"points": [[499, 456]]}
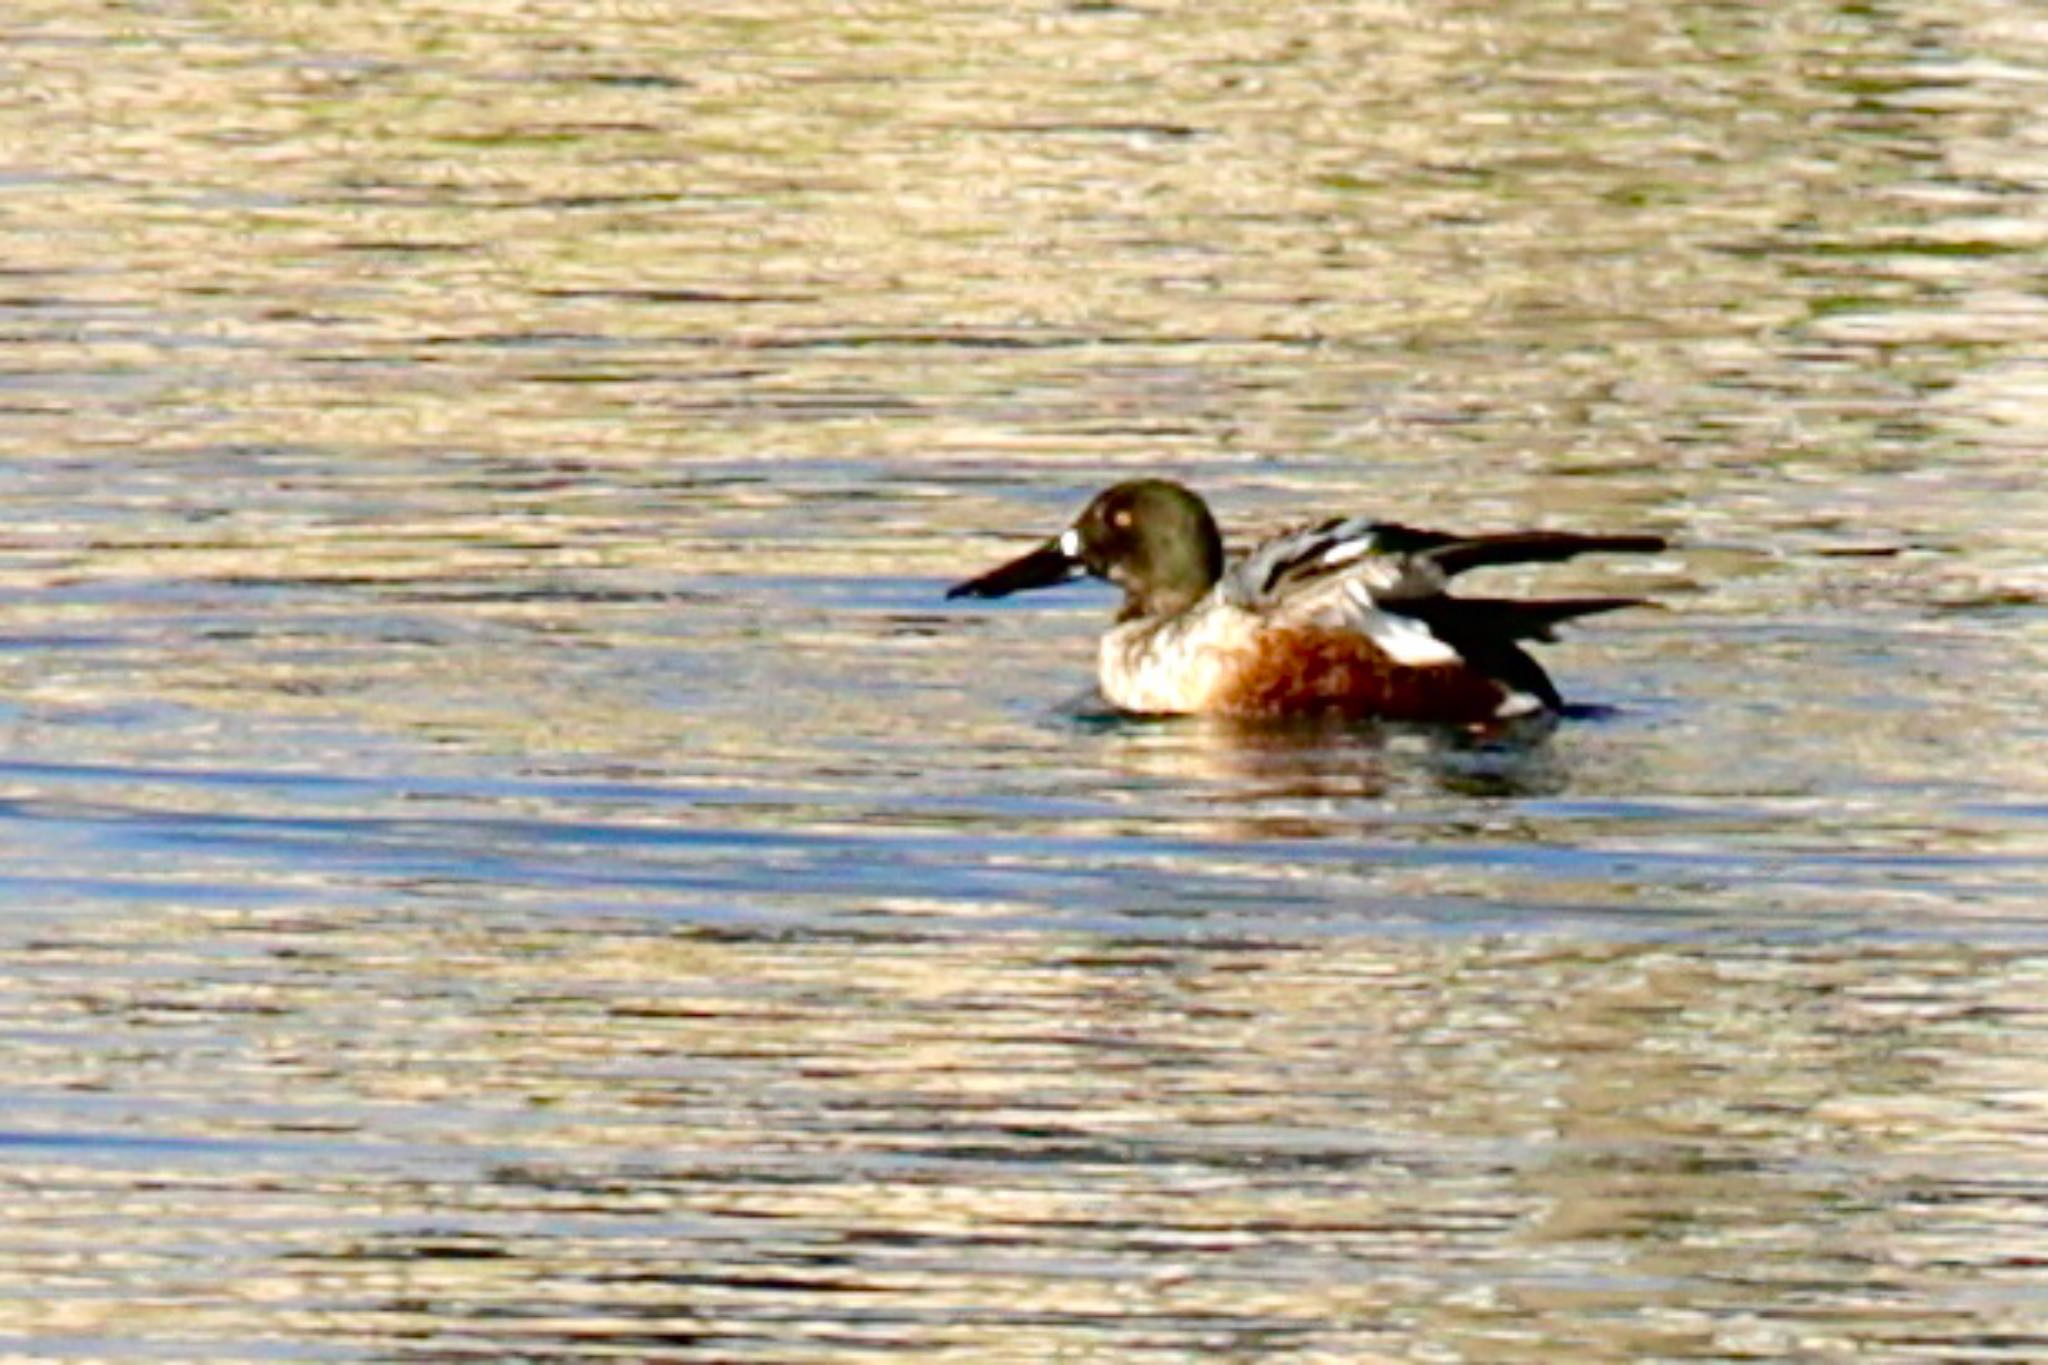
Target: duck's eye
{"points": [[1121, 518]]}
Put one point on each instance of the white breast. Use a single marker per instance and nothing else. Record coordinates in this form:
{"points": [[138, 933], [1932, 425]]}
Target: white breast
{"points": [[1176, 666]]}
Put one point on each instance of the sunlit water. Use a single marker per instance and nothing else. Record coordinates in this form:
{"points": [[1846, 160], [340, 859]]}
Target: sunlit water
{"points": [[507, 853]]}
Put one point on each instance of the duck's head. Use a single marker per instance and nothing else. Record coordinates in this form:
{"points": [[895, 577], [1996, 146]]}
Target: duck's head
{"points": [[1151, 537]]}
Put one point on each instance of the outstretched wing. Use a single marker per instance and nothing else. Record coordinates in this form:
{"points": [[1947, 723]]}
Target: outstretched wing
{"points": [[1391, 583], [1487, 631], [1396, 563], [1455, 554], [1333, 575], [1376, 555]]}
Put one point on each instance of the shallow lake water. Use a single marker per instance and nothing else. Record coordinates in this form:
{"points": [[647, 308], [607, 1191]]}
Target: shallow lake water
{"points": [[507, 854]]}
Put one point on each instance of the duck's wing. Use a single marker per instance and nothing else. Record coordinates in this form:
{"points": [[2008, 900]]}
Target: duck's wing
{"points": [[1457, 619], [1455, 554], [1487, 631], [1396, 563], [1332, 575], [1391, 582], [1375, 555]]}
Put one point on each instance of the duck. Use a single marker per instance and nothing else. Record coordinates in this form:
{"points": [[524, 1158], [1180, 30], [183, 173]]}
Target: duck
{"points": [[1348, 618]]}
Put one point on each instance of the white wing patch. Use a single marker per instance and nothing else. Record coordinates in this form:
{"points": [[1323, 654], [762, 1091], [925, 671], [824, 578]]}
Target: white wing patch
{"points": [[1407, 641], [1344, 551], [1404, 639]]}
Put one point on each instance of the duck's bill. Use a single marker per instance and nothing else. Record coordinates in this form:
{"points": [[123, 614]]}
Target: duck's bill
{"points": [[1045, 567]]}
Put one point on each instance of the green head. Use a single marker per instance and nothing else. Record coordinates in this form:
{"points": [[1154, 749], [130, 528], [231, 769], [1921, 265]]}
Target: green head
{"points": [[1151, 537]]}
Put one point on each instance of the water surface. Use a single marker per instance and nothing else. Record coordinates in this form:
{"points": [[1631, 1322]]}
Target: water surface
{"points": [[508, 854]]}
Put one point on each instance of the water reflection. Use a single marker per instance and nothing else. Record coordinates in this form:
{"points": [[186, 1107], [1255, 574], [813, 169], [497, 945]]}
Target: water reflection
{"points": [[1267, 768]]}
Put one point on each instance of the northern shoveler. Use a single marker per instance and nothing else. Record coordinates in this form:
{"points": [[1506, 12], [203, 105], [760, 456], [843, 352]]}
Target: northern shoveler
{"points": [[1348, 618]]}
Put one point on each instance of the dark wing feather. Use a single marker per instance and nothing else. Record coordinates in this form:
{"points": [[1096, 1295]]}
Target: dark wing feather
{"points": [[1344, 547], [1455, 554], [1485, 631], [1406, 570], [1400, 566], [1505, 618]]}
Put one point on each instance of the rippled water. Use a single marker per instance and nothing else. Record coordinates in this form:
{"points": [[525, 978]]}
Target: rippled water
{"points": [[507, 854]]}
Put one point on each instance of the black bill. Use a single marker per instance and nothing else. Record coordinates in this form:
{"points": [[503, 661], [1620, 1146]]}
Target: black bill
{"points": [[1044, 567]]}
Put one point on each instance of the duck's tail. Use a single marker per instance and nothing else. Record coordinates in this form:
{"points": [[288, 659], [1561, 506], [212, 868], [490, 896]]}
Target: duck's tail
{"points": [[1486, 631]]}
